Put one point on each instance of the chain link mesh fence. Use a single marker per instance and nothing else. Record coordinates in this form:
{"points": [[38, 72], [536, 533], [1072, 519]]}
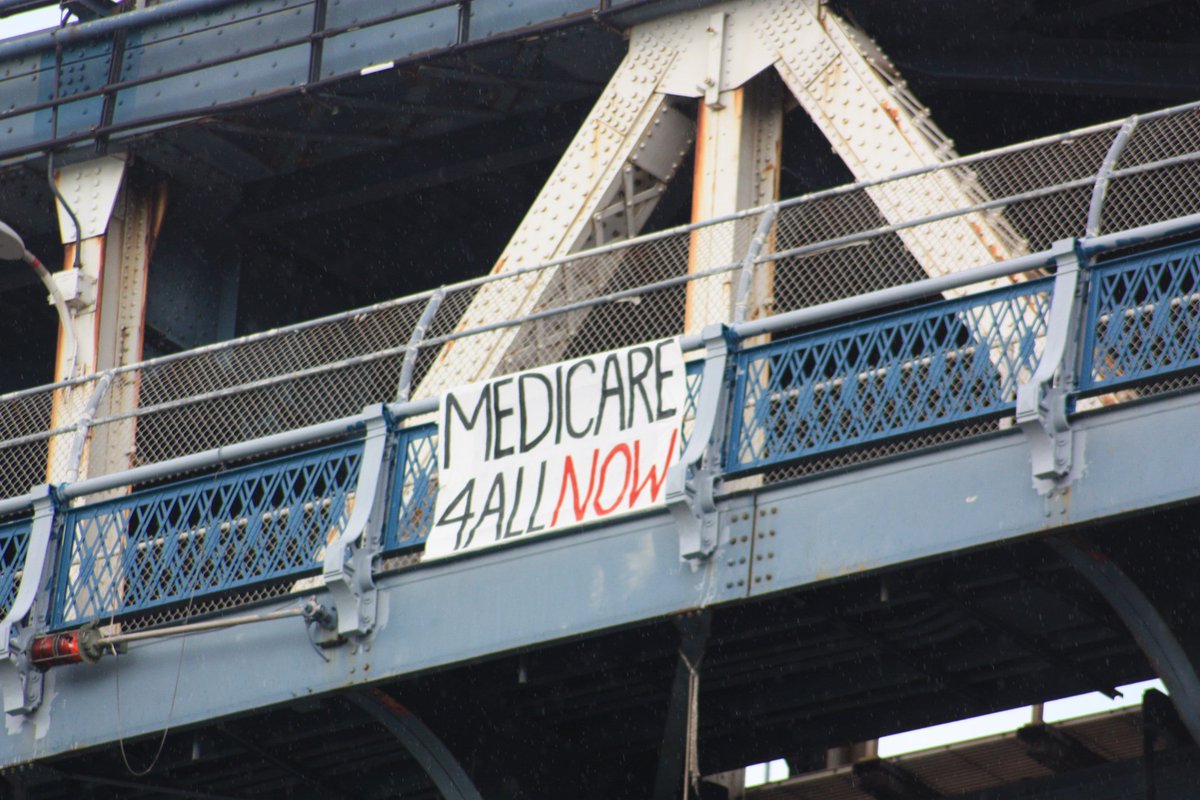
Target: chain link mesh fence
{"points": [[39, 432], [832, 245]]}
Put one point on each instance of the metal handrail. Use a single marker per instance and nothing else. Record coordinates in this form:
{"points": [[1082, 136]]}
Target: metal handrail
{"points": [[860, 304], [353, 426]]}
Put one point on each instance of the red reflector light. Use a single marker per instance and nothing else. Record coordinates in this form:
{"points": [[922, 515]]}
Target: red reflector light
{"points": [[55, 650]]}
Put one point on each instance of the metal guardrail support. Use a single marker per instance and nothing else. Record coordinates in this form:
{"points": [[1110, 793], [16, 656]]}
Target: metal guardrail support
{"points": [[349, 557], [83, 426], [1100, 190], [404, 389], [15, 634], [691, 483], [1042, 402], [750, 262]]}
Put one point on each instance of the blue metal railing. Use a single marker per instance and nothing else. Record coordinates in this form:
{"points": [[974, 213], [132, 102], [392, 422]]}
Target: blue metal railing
{"points": [[203, 536], [888, 376], [413, 490], [1143, 318], [896, 375], [14, 541]]}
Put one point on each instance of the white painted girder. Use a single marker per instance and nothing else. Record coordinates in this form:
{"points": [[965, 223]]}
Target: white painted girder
{"points": [[874, 126], [586, 181]]}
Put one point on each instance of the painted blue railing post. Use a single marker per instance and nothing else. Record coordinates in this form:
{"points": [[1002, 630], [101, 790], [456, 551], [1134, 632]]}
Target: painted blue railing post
{"points": [[1043, 400], [32, 597], [691, 483], [349, 559]]}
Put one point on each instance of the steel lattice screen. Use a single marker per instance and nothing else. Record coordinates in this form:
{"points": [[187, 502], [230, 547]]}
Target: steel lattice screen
{"points": [[14, 541], [896, 375], [226, 531], [1143, 318]]}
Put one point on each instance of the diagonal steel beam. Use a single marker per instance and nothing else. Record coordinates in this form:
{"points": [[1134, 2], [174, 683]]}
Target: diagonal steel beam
{"points": [[1147, 626], [422, 743]]}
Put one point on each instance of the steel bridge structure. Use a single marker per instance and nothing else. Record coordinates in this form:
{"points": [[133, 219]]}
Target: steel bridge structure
{"points": [[937, 452]]}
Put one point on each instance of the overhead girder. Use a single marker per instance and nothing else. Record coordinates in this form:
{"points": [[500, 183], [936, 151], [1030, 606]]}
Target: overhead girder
{"points": [[599, 192]]}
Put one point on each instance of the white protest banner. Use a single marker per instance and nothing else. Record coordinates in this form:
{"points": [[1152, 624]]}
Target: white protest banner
{"points": [[558, 446]]}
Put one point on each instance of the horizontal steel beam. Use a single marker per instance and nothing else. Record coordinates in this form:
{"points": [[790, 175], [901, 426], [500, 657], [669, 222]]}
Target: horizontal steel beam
{"points": [[583, 583]]}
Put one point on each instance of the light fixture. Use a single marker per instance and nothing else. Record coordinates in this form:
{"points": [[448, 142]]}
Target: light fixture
{"points": [[12, 248]]}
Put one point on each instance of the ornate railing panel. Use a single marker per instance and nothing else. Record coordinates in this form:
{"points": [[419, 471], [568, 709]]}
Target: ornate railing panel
{"points": [[1143, 318], [413, 490], [895, 375], [206, 535], [14, 541]]}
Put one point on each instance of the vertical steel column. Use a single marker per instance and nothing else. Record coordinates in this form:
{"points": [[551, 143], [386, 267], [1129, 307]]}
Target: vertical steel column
{"points": [[738, 146], [678, 772], [118, 224]]}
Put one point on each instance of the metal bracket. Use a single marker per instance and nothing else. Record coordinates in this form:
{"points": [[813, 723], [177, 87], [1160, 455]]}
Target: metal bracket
{"points": [[413, 350], [31, 678], [321, 622], [91, 188], [15, 636], [716, 62], [1042, 402], [750, 262], [691, 483], [349, 559]]}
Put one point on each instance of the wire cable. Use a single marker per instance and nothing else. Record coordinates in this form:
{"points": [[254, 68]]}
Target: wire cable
{"points": [[170, 710]]}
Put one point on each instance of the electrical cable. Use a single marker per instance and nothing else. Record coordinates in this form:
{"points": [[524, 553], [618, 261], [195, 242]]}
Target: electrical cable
{"points": [[170, 710]]}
